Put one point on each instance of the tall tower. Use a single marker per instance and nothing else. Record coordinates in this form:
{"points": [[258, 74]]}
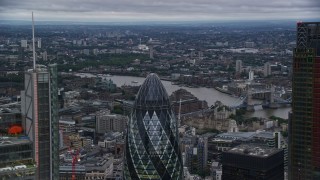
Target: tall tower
{"points": [[151, 51], [39, 109], [152, 145], [238, 66], [304, 130], [267, 69]]}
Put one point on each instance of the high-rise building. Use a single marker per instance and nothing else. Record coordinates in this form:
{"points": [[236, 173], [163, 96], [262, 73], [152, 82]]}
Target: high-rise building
{"points": [[252, 162], [152, 145], [267, 69], [238, 66], [24, 43], [304, 126], [45, 56], [151, 51], [251, 75], [39, 108], [39, 42], [202, 154]]}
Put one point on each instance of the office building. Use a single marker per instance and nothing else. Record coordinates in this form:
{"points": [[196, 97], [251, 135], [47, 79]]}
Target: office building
{"points": [[16, 158], [304, 124], [267, 69], [24, 43], [86, 52], [9, 118], [39, 42], [39, 109], [251, 75], [249, 44], [238, 66], [202, 154], [106, 122], [45, 56], [152, 144], [252, 162]]}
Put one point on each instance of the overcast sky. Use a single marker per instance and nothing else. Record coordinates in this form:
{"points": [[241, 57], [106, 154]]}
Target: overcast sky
{"points": [[158, 10]]}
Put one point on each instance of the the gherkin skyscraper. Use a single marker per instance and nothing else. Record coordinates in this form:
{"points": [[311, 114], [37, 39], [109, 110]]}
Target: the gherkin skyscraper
{"points": [[152, 146]]}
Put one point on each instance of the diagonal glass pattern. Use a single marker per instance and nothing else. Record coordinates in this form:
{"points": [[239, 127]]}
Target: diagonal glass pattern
{"points": [[152, 149]]}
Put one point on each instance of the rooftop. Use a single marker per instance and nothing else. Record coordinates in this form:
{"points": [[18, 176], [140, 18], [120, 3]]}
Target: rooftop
{"points": [[7, 141], [254, 150], [237, 135]]}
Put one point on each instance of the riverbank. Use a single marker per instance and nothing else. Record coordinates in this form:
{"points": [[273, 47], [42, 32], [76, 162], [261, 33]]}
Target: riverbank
{"points": [[210, 95]]}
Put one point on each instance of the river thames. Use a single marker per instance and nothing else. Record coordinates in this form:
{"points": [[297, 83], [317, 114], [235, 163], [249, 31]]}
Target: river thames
{"points": [[208, 94]]}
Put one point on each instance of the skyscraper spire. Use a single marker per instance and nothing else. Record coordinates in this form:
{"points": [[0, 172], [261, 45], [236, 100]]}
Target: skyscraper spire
{"points": [[33, 46]]}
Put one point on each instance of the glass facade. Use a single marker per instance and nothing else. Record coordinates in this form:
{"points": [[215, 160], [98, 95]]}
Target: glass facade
{"points": [[40, 112], [11, 152], [43, 125], [152, 145], [54, 116], [304, 142]]}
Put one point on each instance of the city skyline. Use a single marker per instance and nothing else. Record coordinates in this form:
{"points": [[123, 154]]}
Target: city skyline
{"points": [[163, 10]]}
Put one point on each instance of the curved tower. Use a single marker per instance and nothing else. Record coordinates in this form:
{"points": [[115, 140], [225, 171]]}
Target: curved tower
{"points": [[152, 149]]}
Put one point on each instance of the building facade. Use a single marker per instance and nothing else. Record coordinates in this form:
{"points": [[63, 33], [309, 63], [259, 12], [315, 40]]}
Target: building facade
{"points": [[304, 126], [39, 109], [106, 122], [238, 66], [252, 162], [152, 144], [267, 69]]}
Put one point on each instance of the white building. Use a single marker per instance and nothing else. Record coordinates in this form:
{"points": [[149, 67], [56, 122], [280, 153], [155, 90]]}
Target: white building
{"points": [[39, 43], [24, 43], [251, 75]]}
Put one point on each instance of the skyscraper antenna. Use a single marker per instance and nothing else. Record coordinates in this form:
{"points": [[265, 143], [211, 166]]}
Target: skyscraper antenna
{"points": [[33, 46]]}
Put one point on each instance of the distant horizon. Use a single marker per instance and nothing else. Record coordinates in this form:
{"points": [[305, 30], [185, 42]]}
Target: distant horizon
{"points": [[149, 22]]}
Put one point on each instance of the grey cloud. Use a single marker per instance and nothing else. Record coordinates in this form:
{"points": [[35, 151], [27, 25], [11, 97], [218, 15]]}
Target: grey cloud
{"points": [[161, 8]]}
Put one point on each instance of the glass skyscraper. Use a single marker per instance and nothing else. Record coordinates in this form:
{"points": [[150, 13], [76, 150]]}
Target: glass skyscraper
{"points": [[304, 124], [39, 109], [152, 145]]}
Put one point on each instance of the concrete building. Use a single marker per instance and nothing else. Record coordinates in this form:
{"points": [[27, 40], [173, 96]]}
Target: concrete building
{"points": [[91, 165], [24, 43], [238, 66], [45, 56], [252, 162], [251, 75], [39, 43], [267, 69], [106, 122], [249, 44], [216, 171], [86, 52]]}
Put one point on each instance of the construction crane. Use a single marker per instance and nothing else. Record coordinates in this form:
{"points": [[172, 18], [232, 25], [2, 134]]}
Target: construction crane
{"points": [[74, 155]]}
